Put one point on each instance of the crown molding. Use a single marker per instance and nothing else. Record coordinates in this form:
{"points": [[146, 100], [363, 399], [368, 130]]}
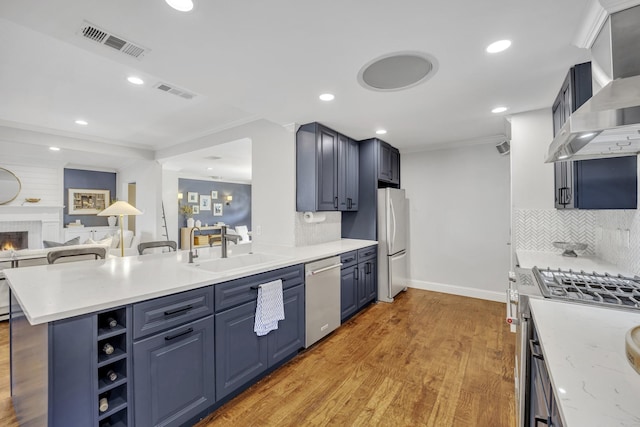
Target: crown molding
{"points": [[594, 17]]}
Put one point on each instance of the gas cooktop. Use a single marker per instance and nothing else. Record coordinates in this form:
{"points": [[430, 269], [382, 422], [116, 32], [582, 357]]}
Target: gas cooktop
{"points": [[590, 288]]}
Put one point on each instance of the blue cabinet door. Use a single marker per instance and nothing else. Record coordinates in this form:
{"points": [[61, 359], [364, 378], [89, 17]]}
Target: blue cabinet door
{"points": [[289, 337], [327, 158], [174, 375], [369, 270], [607, 183], [241, 355], [348, 292]]}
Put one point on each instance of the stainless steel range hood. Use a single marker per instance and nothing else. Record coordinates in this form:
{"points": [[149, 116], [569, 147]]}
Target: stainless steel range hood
{"points": [[608, 124]]}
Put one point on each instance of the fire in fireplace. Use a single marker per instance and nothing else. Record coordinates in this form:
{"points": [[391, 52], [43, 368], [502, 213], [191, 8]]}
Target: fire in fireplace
{"points": [[14, 240]]}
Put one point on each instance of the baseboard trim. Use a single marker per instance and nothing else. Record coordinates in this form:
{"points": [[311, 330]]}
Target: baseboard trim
{"points": [[458, 290]]}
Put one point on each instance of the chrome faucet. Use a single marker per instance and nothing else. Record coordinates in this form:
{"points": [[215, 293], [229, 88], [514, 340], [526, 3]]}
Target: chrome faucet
{"points": [[225, 238], [191, 254]]}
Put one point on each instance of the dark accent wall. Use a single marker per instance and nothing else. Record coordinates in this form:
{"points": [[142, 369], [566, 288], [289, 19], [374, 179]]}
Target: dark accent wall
{"points": [[78, 178], [237, 213]]}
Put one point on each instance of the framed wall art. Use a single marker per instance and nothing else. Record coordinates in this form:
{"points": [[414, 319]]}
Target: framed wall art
{"points": [[84, 201], [205, 203], [217, 209], [196, 209], [192, 197], [214, 195]]}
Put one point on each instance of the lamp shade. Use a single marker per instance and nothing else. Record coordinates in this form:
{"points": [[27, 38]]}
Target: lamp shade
{"points": [[120, 208]]}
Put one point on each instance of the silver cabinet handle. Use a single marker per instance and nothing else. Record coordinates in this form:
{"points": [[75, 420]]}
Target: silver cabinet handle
{"points": [[323, 269]]}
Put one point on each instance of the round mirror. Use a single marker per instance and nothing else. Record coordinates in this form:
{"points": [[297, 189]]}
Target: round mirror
{"points": [[9, 186]]}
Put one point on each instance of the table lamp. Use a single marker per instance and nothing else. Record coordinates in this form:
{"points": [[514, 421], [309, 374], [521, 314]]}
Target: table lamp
{"points": [[121, 209]]}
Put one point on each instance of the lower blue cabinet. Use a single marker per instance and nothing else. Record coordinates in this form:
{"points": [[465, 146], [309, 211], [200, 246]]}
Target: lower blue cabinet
{"points": [[241, 355], [348, 292], [174, 374]]}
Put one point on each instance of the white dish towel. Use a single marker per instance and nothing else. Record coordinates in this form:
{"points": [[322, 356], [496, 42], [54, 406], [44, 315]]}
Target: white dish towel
{"points": [[270, 307]]}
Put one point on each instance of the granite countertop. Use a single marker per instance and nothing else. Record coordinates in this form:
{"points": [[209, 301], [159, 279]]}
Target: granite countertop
{"points": [[53, 292], [555, 260], [584, 350]]}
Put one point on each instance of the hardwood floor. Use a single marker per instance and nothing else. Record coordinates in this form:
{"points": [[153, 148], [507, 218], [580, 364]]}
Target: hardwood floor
{"points": [[428, 359]]}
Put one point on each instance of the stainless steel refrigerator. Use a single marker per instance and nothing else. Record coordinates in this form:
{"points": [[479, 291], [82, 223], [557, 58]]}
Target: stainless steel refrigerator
{"points": [[392, 243]]}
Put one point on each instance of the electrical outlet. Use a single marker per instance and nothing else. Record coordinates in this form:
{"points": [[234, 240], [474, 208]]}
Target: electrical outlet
{"points": [[258, 230], [626, 238]]}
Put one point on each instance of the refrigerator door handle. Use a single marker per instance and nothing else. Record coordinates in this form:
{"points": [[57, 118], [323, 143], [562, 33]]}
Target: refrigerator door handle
{"points": [[393, 226]]}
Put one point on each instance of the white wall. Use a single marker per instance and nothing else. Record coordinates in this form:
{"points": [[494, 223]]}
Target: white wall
{"points": [[170, 199], [42, 182], [147, 175], [459, 220], [531, 178]]}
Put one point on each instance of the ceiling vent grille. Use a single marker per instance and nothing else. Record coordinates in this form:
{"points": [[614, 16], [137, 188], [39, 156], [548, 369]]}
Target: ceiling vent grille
{"points": [[99, 35], [174, 90]]}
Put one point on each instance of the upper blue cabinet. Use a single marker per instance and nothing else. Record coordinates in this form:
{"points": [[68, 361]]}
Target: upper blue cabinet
{"points": [[327, 170], [610, 183]]}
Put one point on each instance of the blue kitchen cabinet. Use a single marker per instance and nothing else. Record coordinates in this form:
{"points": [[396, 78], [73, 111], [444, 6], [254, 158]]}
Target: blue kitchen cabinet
{"points": [[174, 374], [358, 284], [388, 163], [348, 292], [289, 337], [241, 355], [367, 275], [173, 357], [327, 170]]}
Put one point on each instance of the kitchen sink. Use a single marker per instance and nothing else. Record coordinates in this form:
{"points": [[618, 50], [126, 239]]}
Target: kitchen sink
{"points": [[219, 265]]}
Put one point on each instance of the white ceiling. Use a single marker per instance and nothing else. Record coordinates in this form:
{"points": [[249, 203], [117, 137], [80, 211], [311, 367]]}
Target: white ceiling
{"points": [[248, 60]]}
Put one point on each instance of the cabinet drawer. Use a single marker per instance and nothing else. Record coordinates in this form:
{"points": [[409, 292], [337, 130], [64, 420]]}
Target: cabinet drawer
{"points": [[366, 254], [349, 258], [239, 291], [157, 315]]}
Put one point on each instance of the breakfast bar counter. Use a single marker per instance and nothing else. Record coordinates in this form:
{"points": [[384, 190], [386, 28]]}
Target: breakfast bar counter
{"points": [[53, 292]]}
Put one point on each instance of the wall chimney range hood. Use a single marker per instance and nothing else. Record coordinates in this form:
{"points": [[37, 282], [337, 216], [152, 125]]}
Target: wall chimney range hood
{"points": [[608, 124]]}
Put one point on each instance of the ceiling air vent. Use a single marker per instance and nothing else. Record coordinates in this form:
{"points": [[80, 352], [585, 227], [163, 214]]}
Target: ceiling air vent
{"points": [[99, 35], [174, 90]]}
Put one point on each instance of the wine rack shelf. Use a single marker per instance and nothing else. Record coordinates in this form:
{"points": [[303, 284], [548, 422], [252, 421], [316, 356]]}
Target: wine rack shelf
{"points": [[113, 368]]}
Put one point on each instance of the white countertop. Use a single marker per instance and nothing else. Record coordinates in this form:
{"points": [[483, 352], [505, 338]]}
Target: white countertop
{"points": [[58, 291], [584, 349], [555, 260]]}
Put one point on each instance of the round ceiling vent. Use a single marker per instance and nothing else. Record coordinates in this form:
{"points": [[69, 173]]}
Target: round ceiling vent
{"points": [[397, 71]]}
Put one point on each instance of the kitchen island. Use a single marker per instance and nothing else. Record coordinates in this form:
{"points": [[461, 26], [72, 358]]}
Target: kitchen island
{"points": [[175, 352], [583, 349]]}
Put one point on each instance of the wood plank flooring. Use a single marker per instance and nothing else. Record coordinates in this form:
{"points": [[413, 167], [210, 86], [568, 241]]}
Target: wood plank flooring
{"points": [[428, 359]]}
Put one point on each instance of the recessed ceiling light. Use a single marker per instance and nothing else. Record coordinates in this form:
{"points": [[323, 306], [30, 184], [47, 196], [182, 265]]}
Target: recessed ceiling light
{"points": [[135, 80], [563, 156], [498, 46], [82, 122], [180, 5], [54, 148], [209, 169], [499, 110], [327, 97], [381, 131], [586, 135]]}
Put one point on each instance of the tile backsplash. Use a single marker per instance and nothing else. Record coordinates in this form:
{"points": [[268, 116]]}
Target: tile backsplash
{"points": [[318, 232], [618, 238], [537, 229], [612, 235]]}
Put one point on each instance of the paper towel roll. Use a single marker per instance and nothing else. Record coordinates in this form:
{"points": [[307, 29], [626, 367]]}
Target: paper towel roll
{"points": [[310, 217]]}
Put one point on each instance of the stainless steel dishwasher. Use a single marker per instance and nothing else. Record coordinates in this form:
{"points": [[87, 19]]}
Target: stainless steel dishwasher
{"points": [[322, 298]]}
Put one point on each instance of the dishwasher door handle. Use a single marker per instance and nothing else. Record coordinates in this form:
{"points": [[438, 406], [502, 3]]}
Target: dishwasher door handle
{"points": [[323, 269]]}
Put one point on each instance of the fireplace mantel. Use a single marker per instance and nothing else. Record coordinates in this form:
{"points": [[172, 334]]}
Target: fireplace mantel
{"points": [[48, 217]]}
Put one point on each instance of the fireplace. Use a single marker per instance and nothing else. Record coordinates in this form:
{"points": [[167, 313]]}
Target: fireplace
{"points": [[14, 240]]}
